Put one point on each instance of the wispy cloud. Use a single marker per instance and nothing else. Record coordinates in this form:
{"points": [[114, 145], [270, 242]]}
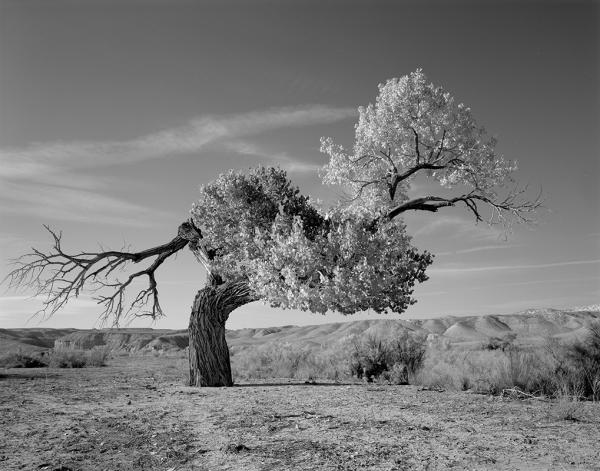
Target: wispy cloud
{"points": [[457, 227], [49, 203], [40, 158], [49, 180], [562, 281], [460, 270], [283, 159], [16, 311], [482, 248]]}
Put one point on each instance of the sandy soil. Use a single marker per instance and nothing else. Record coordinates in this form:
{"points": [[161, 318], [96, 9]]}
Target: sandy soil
{"points": [[136, 414]]}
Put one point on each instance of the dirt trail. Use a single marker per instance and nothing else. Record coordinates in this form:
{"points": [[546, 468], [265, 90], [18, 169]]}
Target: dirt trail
{"points": [[137, 415]]}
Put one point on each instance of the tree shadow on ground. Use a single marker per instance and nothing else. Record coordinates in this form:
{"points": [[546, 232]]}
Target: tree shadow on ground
{"points": [[27, 374], [306, 383]]}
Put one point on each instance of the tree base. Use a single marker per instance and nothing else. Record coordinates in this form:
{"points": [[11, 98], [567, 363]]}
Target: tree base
{"points": [[208, 351]]}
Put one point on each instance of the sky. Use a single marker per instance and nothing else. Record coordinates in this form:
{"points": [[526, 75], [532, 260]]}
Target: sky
{"points": [[113, 113]]}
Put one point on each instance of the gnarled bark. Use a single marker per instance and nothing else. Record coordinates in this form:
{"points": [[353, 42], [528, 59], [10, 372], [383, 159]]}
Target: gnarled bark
{"points": [[208, 351]]}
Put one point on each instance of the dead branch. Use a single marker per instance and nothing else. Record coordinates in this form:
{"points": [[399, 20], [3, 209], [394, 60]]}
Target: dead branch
{"points": [[512, 208], [518, 394], [58, 276]]}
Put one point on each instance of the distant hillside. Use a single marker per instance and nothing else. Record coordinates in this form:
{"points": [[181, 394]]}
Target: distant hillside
{"points": [[530, 326]]}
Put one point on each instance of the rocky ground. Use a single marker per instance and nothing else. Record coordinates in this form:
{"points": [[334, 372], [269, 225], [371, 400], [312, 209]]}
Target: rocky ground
{"points": [[136, 414]]}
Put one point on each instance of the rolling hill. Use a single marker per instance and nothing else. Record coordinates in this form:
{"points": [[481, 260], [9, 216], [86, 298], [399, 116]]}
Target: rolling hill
{"points": [[529, 326]]}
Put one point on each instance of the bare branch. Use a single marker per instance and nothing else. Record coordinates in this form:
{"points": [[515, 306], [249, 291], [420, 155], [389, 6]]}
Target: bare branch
{"points": [[513, 208], [58, 276]]}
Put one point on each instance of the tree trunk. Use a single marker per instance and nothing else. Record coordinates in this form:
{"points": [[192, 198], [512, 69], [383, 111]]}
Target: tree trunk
{"points": [[209, 354]]}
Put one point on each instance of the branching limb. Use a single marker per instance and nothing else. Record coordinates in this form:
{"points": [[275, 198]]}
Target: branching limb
{"points": [[512, 208], [58, 276]]}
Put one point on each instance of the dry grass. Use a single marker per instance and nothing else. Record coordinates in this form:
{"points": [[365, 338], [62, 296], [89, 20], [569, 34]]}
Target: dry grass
{"points": [[552, 370], [58, 358]]}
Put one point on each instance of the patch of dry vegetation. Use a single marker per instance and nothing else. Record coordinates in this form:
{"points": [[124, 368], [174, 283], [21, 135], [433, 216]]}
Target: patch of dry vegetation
{"points": [[57, 358], [552, 370]]}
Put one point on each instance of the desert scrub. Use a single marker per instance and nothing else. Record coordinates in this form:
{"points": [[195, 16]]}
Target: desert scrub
{"points": [[584, 359], [273, 360], [286, 360], [68, 358], [22, 360], [555, 370], [396, 359], [485, 370]]}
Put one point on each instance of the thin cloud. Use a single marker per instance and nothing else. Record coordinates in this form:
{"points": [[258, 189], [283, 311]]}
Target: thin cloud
{"points": [[478, 249], [453, 226], [284, 160], [538, 282], [43, 180], [39, 158], [52, 203], [19, 310], [454, 271]]}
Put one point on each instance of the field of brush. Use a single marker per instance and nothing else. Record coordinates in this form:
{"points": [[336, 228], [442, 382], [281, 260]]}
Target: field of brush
{"points": [[137, 414]]}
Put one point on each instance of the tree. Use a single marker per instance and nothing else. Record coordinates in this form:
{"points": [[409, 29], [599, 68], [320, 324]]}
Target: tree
{"points": [[258, 238]]}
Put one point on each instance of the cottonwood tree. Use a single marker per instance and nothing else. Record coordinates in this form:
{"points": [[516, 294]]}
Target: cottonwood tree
{"points": [[258, 238]]}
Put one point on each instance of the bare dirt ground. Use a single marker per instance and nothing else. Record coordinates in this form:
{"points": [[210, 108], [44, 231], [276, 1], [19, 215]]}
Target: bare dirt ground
{"points": [[136, 414]]}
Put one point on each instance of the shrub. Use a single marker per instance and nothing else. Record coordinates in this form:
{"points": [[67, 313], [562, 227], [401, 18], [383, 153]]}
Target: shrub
{"points": [[369, 358], [486, 371], [67, 358], [394, 359], [398, 374], [275, 360], [584, 361], [501, 343], [22, 360], [98, 356], [408, 350]]}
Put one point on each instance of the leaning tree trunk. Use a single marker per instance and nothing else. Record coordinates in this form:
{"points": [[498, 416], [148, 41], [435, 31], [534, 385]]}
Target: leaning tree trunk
{"points": [[209, 354]]}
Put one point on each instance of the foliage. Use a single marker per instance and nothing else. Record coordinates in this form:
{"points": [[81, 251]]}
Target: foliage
{"points": [[417, 128], [258, 227]]}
